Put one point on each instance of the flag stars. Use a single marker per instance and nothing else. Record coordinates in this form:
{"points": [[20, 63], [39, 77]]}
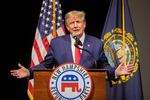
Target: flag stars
{"points": [[59, 18], [59, 5], [51, 28], [49, 6], [44, 17], [42, 8], [46, 25], [60, 12], [45, 31], [41, 14], [43, 23], [74, 78], [69, 78], [65, 78], [56, 3], [58, 24], [45, 4], [48, 12], [47, 19], [45, 28]]}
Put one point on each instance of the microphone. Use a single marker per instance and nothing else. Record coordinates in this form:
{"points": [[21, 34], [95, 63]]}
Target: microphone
{"points": [[77, 41]]}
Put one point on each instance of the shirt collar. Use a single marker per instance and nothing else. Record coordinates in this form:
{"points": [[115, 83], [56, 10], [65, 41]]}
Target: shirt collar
{"points": [[81, 39]]}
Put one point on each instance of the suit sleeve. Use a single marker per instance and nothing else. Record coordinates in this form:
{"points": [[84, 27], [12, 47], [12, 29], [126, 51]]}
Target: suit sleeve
{"points": [[105, 65], [48, 61]]}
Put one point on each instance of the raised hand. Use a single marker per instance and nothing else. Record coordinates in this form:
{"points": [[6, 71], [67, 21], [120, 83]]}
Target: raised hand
{"points": [[124, 70], [22, 72]]}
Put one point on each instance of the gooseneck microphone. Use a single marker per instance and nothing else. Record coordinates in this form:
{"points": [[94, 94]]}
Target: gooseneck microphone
{"points": [[79, 43]]}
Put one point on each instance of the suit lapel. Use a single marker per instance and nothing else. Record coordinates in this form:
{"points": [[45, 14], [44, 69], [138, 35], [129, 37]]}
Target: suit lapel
{"points": [[88, 46], [68, 50]]}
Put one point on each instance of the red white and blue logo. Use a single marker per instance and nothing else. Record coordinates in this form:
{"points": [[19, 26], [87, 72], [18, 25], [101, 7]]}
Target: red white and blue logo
{"points": [[70, 82]]}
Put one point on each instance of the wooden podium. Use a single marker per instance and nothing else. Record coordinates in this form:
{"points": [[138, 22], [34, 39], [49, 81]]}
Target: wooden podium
{"points": [[41, 84]]}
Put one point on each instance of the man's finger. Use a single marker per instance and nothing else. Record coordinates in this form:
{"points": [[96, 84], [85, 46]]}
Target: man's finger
{"points": [[20, 65]]}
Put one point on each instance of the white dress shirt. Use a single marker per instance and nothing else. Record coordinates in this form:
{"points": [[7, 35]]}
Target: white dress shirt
{"points": [[73, 46]]}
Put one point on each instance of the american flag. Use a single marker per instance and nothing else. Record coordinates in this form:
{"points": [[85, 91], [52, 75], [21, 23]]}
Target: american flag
{"points": [[47, 29]]}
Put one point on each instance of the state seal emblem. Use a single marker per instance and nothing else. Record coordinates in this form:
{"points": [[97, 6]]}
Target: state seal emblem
{"points": [[113, 42]]}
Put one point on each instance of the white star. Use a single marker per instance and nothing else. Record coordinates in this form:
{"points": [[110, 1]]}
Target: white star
{"points": [[50, 6], [51, 27], [48, 12], [47, 19], [59, 17], [42, 8], [69, 78], [46, 25], [46, 32], [41, 14], [64, 78], [74, 78], [58, 24]]}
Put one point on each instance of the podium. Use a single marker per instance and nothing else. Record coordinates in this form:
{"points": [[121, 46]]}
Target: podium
{"points": [[41, 84]]}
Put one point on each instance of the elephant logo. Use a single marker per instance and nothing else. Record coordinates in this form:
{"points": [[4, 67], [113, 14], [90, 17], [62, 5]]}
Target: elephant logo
{"points": [[70, 81]]}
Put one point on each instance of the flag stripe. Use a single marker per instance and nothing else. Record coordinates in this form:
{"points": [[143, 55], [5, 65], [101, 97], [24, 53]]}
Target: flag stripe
{"points": [[46, 45], [30, 86], [40, 44], [43, 35], [34, 58], [37, 50], [61, 31]]}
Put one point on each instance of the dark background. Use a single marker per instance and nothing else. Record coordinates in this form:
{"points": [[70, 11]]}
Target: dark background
{"points": [[18, 25], [19, 21]]}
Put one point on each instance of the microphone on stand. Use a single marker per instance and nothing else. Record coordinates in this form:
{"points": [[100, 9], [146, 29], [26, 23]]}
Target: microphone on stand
{"points": [[79, 43]]}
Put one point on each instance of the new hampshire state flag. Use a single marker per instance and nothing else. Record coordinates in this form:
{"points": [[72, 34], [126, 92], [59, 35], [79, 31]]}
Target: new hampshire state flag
{"points": [[118, 19]]}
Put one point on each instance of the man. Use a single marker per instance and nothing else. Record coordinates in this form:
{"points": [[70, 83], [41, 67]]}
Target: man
{"points": [[62, 50]]}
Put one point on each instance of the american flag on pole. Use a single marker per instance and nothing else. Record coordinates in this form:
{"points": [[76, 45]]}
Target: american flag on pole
{"points": [[50, 25]]}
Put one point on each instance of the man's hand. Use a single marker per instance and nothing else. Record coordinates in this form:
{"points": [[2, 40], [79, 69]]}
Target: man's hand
{"points": [[22, 72], [124, 70]]}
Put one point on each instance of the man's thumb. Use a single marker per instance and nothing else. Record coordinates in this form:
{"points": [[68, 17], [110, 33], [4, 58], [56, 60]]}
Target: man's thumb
{"points": [[20, 65]]}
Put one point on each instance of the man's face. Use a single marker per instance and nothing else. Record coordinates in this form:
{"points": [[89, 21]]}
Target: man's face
{"points": [[75, 25]]}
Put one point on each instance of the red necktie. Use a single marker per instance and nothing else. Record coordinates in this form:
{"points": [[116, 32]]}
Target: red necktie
{"points": [[77, 55]]}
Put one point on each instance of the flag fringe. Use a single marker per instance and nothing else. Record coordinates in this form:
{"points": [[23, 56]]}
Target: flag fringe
{"points": [[30, 95]]}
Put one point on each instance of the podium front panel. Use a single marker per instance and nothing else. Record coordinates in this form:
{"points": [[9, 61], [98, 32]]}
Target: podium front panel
{"points": [[41, 84]]}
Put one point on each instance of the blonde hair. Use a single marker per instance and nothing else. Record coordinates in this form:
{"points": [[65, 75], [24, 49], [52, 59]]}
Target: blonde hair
{"points": [[80, 14]]}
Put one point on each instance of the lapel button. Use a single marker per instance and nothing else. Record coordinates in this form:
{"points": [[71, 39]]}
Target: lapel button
{"points": [[88, 45]]}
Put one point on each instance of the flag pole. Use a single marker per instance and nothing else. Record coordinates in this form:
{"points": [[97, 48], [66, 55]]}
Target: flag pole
{"points": [[54, 18], [54, 23], [123, 38]]}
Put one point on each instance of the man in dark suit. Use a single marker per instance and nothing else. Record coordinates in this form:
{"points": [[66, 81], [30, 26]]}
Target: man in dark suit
{"points": [[62, 50]]}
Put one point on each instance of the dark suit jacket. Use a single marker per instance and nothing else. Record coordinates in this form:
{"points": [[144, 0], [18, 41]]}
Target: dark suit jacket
{"points": [[60, 52]]}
